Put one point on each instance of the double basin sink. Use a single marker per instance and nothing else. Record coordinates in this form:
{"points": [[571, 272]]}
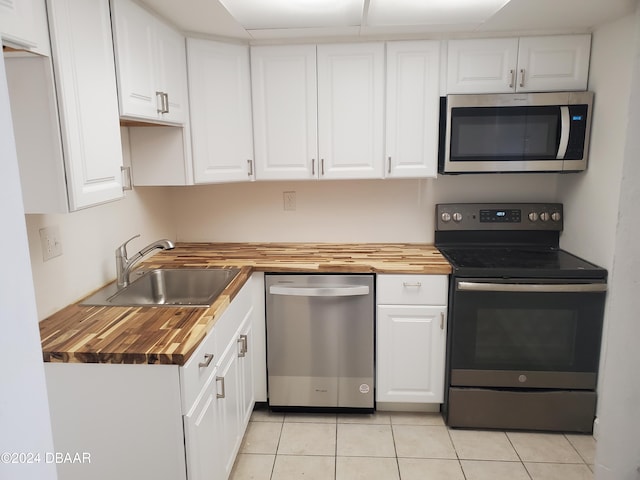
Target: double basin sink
{"points": [[192, 287]]}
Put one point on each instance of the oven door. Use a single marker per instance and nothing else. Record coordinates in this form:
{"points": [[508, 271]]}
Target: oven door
{"points": [[526, 334]]}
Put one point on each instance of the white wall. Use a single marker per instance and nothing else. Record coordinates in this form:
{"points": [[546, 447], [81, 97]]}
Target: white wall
{"points": [[618, 452], [24, 412], [591, 198], [339, 211], [89, 239]]}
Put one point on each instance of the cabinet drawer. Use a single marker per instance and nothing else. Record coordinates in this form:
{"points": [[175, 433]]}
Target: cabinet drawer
{"points": [[198, 369], [412, 289]]}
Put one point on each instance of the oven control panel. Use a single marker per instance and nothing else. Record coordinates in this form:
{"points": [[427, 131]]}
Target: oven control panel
{"points": [[499, 216]]}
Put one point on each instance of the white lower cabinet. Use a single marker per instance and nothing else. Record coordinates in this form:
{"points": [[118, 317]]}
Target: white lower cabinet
{"points": [[411, 338], [164, 422]]}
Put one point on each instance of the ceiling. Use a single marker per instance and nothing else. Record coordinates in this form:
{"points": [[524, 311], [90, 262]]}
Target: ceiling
{"points": [[211, 18]]}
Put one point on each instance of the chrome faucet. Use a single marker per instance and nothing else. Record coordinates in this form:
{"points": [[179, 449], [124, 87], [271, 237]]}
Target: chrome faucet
{"points": [[124, 264]]}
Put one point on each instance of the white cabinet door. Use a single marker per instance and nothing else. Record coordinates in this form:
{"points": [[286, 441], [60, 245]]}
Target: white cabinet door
{"points": [[413, 101], [17, 25], [284, 88], [245, 369], [202, 438], [172, 72], [411, 353], [351, 110], [220, 105], [553, 63], [134, 34], [482, 65], [228, 407], [82, 52], [150, 64]]}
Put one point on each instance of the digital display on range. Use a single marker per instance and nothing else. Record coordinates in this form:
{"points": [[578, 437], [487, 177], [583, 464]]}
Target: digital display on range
{"points": [[500, 216]]}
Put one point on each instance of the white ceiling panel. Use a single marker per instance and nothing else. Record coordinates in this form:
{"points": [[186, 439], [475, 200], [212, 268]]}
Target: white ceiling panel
{"points": [[431, 12], [275, 14], [289, 19]]}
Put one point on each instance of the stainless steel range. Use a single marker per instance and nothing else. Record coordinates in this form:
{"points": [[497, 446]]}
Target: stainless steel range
{"points": [[525, 319]]}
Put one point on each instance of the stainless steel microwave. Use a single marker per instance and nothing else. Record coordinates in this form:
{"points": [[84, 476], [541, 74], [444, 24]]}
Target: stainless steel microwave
{"points": [[515, 132]]}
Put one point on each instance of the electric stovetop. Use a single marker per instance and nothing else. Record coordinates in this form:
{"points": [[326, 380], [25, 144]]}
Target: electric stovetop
{"points": [[508, 241]]}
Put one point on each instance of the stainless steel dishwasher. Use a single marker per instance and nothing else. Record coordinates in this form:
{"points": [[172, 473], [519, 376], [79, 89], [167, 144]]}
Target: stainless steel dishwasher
{"points": [[320, 341]]}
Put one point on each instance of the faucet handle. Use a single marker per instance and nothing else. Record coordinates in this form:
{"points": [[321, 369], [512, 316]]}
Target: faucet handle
{"points": [[122, 249]]}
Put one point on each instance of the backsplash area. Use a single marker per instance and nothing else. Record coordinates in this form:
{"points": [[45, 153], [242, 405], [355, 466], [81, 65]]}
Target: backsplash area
{"points": [[339, 211]]}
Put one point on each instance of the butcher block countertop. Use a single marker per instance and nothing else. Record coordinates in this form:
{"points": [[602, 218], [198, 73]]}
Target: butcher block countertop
{"points": [[169, 335]]}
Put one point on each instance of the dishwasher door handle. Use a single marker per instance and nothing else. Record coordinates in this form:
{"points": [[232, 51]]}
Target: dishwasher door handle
{"points": [[334, 291]]}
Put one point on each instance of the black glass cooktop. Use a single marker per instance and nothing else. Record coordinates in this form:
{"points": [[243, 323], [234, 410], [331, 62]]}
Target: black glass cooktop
{"points": [[521, 262]]}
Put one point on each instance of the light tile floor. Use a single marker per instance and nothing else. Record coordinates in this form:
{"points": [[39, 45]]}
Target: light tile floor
{"points": [[403, 446]]}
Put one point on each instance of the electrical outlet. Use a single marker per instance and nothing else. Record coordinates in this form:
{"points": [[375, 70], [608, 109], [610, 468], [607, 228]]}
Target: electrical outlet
{"points": [[50, 241], [289, 200]]}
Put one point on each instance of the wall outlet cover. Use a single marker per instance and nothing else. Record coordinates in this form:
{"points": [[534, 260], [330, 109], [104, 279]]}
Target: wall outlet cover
{"points": [[51, 243]]}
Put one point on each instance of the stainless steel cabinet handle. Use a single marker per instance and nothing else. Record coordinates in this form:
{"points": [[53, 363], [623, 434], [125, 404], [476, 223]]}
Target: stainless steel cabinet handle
{"points": [[127, 182], [531, 287], [341, 291], [250, 162], [313, 167], [207, 360], [322, 166], [389, 162], [164, 102], [408, 284], [221, 380], [522, 77], [243, 345], [512, 74], [160, 102], [441, 320]]}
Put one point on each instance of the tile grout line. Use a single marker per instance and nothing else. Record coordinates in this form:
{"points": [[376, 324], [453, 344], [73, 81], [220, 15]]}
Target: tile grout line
{"points": [[395, 450], [275, 457], [456, 452], [518, 454]]}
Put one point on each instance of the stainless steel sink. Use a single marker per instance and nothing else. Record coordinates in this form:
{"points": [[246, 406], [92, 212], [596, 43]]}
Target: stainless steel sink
{"points": [[168, 287]]}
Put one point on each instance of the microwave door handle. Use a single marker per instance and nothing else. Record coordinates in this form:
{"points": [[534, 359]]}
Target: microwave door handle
{"points": [[564, 132]]}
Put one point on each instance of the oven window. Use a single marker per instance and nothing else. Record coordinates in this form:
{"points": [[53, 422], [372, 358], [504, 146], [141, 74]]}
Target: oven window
{"points": [[554, 332], [516, 339], [504, 133]]}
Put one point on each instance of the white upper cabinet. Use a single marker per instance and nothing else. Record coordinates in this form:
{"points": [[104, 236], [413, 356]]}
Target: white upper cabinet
{"points": [[82, 52], [482, 66], [412, 116], [553, 63], [351, 110], [285, 111], [77, 160], [151, 65], [528, 64], [318, 111], [17, 22], [220, 95]]}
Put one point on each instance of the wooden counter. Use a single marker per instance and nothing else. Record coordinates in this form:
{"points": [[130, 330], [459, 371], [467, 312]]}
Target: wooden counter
{"points": [[169, 335]]}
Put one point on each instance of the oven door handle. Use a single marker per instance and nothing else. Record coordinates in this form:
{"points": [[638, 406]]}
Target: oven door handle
{"points": [[532, 287]]}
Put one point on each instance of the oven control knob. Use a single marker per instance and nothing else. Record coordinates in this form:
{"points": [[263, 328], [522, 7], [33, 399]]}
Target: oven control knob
{"points": [[457, 217], [522, 378], [446, 217], [533, 216], [556, 216], [544, 216]]}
